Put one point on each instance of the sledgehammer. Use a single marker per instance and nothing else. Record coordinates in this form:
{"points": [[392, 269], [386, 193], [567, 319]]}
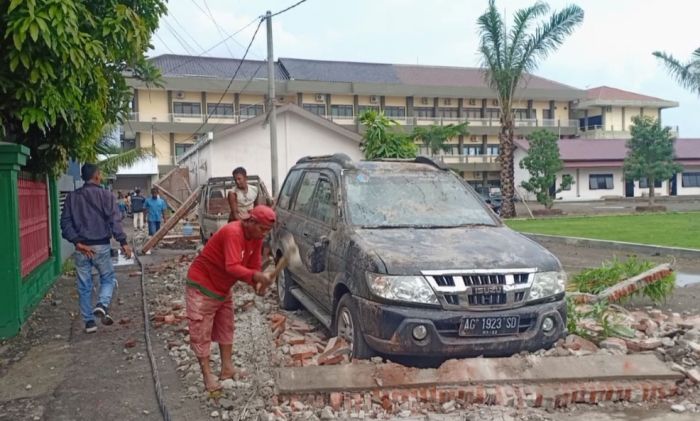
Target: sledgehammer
{"points": [[291, 254]]}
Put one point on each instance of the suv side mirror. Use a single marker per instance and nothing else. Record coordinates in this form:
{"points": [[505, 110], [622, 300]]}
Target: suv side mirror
{"points": [[318, 256]]}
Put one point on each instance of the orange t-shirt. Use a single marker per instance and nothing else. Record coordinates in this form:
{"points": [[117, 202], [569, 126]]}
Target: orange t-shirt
{"points": [[227, 258]]}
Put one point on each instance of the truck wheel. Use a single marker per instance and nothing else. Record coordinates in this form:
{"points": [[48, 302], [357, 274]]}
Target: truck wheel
{"points": [[347, 326], [284, 291]]}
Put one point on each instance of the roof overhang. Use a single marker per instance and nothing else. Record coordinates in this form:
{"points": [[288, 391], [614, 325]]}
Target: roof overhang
{"points": [[588, 103]]}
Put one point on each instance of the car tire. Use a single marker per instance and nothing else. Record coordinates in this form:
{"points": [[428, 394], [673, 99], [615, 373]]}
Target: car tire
{"points": [[347, 326], [284, 292]]}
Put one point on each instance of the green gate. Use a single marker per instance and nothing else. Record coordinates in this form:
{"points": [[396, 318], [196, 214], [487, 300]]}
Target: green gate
{"points": [[30, 260]]}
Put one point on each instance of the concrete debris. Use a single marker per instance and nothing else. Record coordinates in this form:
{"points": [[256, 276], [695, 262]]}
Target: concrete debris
{"points": [[615, 344], [678, 409]]}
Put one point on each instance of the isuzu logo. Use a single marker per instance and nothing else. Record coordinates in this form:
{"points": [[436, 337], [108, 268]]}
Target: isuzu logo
{"points": [[487, 289]]}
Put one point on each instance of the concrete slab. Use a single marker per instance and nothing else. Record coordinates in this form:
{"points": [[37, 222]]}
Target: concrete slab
{"points": [[530, 370]]}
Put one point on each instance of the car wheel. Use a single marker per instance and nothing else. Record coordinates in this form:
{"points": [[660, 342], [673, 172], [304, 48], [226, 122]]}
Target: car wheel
{"points": [[284, 291], [347, 326]]}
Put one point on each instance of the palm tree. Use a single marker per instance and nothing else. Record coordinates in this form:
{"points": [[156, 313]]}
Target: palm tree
{"points": [[436, 137], [509, 55], [110, 157], [687, 74]]}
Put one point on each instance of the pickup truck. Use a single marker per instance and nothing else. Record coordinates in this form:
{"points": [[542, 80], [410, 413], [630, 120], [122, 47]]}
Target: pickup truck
{"points": [[213, 203]]}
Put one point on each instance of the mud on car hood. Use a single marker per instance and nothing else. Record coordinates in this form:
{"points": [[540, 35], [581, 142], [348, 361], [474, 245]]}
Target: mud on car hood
{"points": [[408, 251]]}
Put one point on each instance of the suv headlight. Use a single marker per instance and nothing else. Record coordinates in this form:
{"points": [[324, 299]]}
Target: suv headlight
{"points": [[413, 289], [547, 284]]}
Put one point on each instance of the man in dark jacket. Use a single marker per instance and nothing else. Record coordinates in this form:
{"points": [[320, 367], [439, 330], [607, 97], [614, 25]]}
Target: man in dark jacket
{"points": [[137, 208], [89, 220]]}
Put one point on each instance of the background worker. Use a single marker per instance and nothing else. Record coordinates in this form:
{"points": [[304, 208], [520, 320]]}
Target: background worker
{"points": [[241, 199], [156, 208], [90, 218], [137, 204], [231, 255]]}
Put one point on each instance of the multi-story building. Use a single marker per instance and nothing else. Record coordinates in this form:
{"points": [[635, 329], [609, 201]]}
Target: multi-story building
{"points": [[199, 97]]}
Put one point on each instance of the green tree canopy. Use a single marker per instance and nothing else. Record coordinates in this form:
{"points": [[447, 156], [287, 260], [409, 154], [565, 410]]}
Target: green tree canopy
{"points": [[543, 162], [650, 153], [380, 139], [436, 137], [687, 74], [508, 54], [63, 69]]}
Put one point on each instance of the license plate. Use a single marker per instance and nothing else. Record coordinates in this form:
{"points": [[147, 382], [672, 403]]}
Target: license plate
{"points": [[490, 326]]}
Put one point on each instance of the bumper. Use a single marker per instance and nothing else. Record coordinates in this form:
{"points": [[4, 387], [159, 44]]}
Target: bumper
{"points": [[388, 330]]}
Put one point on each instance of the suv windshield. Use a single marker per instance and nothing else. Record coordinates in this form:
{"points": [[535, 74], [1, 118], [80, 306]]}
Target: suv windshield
{"points": [[422, 199]]}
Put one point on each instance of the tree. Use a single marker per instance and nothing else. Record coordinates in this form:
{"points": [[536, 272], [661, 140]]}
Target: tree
{"points": [[110, 156], [380, 141], [687, 74], [63, 69], [509, 55], [543, 162], [650, 153], [436, 137]]}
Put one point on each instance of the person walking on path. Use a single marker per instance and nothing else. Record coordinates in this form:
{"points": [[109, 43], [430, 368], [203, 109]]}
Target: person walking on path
{"points": [[89, 220], [242, 198], [137, 204], [121, 202], [232, 254], [156, 208]]}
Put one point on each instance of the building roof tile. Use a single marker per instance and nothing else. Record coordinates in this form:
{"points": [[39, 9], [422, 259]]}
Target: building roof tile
{"points": [[615, 94], [173, 65]]}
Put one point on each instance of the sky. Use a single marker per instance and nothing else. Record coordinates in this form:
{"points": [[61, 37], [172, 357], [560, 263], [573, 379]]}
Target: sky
{"points": [[612, 47]]}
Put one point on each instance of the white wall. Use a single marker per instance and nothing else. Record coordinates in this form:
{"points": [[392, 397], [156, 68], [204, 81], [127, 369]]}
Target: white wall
{"points": [[250, 148]]}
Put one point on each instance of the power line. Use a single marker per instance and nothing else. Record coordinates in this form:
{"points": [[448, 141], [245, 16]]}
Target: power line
{"points": [[186, 32], [179, 38], [288, 8], [163, 42], [240, 64], [210, 15], [194, 58]]}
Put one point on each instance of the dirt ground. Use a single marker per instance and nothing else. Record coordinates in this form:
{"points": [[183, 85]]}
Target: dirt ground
{"points": [[53, 371]]}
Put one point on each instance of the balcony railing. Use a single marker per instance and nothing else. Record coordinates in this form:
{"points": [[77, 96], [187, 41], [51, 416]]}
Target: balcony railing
{"points": [[467, 159], [189, 118]]}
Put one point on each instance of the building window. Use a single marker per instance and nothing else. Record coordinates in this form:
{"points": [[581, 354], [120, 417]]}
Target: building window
{"points": [[187, 108], [424, 112], [547, 114], [395, 111], [447, 112], [128, 144], [220, 110], [600, 181], [362, 108], [318, 109], [473, 150], [691, 179], [181, 148], [520, 113], [472, 112], [492, 150], [644, 184], [568, 188], [492, 113], [251, 110], [341, 110]]}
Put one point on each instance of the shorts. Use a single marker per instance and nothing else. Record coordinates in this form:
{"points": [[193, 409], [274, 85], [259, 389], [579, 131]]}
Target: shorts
{"points": [[209, 320]]}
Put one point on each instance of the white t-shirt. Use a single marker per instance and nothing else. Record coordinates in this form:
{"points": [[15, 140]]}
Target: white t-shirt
{"points": [[246, 200]]}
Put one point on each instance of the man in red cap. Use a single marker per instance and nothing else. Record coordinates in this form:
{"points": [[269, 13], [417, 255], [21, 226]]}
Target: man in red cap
{"points": [[232, 254]]}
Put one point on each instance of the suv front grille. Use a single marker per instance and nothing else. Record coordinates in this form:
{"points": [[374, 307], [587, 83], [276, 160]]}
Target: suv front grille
{"points": [[481, 289]]}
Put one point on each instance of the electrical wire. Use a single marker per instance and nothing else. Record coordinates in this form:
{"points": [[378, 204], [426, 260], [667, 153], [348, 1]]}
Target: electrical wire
{"points": [[235, 73], [149, 347], [175, 19], [287, 9]]}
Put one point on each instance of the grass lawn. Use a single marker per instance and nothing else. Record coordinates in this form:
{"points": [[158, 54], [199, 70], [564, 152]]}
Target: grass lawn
{"points": [[665, 229]]}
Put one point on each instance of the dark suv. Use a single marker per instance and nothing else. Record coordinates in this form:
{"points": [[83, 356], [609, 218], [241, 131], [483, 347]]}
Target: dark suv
{"points": [[403, 258]]}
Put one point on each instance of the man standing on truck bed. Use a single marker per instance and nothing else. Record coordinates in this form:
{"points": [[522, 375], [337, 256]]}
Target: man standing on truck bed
{"points": [[89, 220], [242, 198], [232, 254]]}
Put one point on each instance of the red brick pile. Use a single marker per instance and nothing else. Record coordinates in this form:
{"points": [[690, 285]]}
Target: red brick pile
{"points": [[304, 345]]}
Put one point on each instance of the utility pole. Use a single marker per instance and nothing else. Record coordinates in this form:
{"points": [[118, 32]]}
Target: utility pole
{"points": [[271, 99]]}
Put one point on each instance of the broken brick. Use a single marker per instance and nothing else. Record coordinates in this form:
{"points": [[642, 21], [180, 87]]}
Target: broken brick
{"points": [[301, 327], [293, 338], [336, 400], [331, 359], [130, 343], [302, 351], [638, 345], [577, 343], [336, 351], [170, 319], [124, 321], [694, 375]]}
